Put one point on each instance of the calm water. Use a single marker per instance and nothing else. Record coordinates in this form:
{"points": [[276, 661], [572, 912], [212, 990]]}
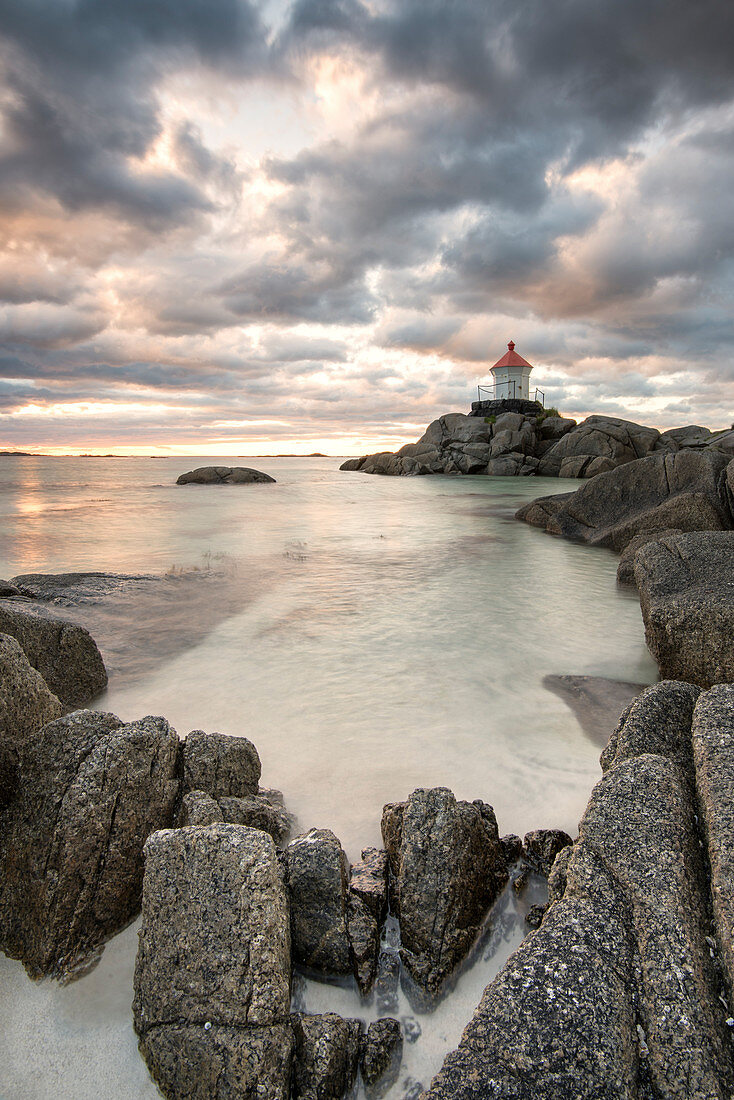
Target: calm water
{"points": [[370, 635]]}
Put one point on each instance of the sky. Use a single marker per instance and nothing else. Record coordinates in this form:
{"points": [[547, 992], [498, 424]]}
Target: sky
{"points": [[230, 227]]}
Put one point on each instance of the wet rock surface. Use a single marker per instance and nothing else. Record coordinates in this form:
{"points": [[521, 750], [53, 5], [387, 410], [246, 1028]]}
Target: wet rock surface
{"points": [[449, 867], [618, 992], [212, 976], [381, 1055], [686, 587], [596, 701], [223, 475], [64, 653], [89, 791], [326, 1056], [318, 881], [26, 703]]}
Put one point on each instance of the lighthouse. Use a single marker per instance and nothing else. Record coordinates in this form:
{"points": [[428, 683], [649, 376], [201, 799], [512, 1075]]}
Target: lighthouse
{"points": [[510, 389], [511, 376]]}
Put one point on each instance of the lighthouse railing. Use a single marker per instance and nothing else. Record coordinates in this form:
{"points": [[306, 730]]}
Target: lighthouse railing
{"points": [[500, 391]]}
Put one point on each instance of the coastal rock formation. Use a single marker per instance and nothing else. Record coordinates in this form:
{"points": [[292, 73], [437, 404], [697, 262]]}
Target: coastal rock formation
{"points": [[318, 879], [223, 475], [326, 1056], [212, 976], [26, 703], [626, 567], [89, 791], [686, 587], [8, 775], [682, 490], [541, 846], [223, 766], [368, 881], [65, 654], [599, 443], [381, 1055], [618, 992], [448, 867], [526, 441], [73, 589]]}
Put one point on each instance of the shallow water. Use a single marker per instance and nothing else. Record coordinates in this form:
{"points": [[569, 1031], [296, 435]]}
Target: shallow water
{"points": [[375, 635]]}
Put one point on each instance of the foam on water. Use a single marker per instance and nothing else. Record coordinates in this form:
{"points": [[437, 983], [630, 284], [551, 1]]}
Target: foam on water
{"points": [[384, 634]]}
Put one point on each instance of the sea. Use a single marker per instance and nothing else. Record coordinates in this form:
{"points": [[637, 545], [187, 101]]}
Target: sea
{"points": [[370, 635]]}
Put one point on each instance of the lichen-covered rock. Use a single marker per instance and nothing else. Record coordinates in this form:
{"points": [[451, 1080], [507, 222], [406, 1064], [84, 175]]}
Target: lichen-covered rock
{"points": [[326, 1056], [8, 775], [368, 881], [223, 766], [258, 812], [26, 703], [196, 1062], [364, 939], [223, 475], [199, 808], [686, 587], [713, 753], [65, 654], [212, 976], [382, 1053], [89, 792], [541, 846], [318, 881], [511, 848], [449, 867], [617, 994]]}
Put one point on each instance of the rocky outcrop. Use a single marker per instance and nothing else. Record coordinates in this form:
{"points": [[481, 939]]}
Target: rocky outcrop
{"points": [[626, 567], [26, 703], [713, 756], [65, 654], [683, 490], [541, 846], [318, 879], [618, 992], [448, 867], [212, 976], [599, 443], [257, 812], [381, 1055], [326, 1056], [519, 439], [686, 587], [223, 475], [74, 589], [89, 791], [223, 766]]}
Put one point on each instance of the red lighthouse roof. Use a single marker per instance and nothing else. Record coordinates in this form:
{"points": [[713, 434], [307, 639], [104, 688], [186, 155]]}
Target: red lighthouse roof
{"points": [[511, 358]]}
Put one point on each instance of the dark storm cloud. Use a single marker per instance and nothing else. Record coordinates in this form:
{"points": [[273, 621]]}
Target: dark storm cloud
{"points": [[80, 97], [538, 88]]}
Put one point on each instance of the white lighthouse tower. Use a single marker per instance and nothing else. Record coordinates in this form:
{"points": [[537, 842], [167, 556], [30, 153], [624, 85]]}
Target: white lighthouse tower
{"points": [[511, 376]]}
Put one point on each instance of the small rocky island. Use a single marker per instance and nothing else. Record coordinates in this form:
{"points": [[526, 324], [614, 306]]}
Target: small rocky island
{"points": [[224, 475], [625, 985], [534, 441]]}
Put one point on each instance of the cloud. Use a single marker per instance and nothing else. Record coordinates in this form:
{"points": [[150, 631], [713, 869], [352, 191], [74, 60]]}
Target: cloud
{"points": [[454, 175]]}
